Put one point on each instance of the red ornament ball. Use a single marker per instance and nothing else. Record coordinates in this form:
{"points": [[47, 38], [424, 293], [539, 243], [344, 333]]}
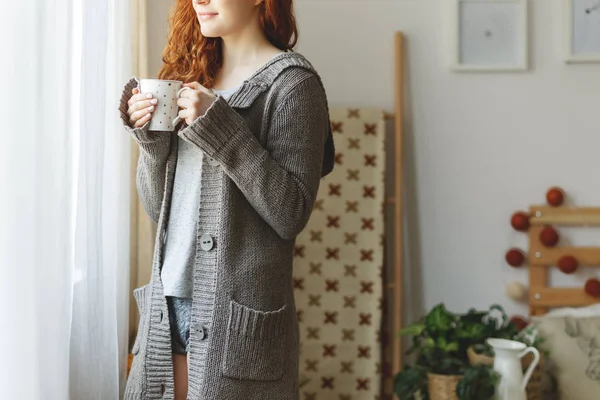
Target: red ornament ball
{"points": [[555, 196], [515, 257], [549, 236], [568, 264], [519, 321], [520, 221], [592, 287]]}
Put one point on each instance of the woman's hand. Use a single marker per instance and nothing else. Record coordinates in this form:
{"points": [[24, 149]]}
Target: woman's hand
{"points": [[194, 101], [140, 108]]}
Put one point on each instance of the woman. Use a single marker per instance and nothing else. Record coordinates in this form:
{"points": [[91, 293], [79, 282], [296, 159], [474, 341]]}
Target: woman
{"points": [[230, 190]]}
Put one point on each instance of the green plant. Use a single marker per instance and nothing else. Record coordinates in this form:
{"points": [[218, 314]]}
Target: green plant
{"points": [[410, 381], [530, 337], [435, 337], [506, 329], [501, 327], [478, 382], [440, 340]]}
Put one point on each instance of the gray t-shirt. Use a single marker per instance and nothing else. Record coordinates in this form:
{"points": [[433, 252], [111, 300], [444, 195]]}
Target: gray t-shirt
{"points": [[180, 247]]}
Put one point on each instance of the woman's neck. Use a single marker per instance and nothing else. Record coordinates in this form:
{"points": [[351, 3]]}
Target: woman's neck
{"points": [[243, 52], [246, 52], [241, 60]]}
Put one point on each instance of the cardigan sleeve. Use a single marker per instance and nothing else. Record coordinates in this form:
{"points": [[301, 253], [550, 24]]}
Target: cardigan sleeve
{"points": [[151, 166], [282, 180]]}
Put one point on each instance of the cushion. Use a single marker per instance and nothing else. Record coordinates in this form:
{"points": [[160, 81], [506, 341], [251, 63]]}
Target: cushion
{"points": [[587, 311], [573, 344]]}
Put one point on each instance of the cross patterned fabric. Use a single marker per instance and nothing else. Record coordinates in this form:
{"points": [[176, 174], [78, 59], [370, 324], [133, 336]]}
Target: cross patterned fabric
{"points": [[337, 267]]}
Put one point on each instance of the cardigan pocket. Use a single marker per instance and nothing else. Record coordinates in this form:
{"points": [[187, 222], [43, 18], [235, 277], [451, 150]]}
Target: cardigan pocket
{"points": [[140, 294], [255, 343]]}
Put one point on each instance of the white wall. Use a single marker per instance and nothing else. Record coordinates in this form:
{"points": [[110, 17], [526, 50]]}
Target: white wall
{"points": [[479, 146]]}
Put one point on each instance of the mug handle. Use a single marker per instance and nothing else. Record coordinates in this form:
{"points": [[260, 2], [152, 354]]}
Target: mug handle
{"points": [[177, 118], [534, 363]]}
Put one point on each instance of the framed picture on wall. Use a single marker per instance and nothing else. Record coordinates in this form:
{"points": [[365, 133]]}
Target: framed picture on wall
{"points": [[490, 35], [582, 31]]}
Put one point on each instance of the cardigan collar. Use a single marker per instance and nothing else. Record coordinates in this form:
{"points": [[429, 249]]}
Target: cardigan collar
{"points": [[264, 77]]}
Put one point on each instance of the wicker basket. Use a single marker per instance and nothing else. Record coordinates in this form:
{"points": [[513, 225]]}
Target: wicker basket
{"points": [[442, 387], [476, 359], [534, 386]]}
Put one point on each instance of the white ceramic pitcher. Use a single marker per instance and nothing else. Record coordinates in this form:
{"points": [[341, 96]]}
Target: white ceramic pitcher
{"points": [[507, 362]]}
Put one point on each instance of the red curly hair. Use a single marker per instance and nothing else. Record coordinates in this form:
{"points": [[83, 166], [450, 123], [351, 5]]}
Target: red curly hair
{"points": [[189, 56]]}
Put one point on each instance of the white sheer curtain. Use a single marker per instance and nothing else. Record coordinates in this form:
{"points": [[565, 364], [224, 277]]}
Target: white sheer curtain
{"points": [[64, 193]]}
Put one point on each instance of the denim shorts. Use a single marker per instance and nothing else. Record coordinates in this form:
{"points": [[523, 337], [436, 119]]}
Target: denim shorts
{"points": [[180, 311]]}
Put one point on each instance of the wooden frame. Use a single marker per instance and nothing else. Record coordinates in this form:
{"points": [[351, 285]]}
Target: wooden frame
{"points": [[570, 57], [523, 65], [398, 197], [541, 259], [393, 291]]}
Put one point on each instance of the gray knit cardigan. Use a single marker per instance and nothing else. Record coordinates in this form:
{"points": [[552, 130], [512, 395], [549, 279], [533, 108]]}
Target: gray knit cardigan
{"points": [[266, 150]]}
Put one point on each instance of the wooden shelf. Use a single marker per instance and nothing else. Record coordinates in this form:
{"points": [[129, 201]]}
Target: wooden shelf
{"points": [[560, 297], [541, 258], [566, 216], [547, 257]]}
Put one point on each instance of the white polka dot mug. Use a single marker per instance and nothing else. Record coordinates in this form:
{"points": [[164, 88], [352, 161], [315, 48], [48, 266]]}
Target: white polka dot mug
{"points": [[164, 117]]}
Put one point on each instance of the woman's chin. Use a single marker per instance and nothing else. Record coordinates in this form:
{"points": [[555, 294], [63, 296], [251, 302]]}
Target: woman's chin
{"points": [[208, 32]]}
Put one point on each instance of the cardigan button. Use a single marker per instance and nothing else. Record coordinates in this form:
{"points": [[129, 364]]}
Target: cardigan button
{"points": [[201, 332], [206, 242]]}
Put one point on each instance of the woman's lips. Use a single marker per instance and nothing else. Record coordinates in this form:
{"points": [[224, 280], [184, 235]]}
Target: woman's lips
{"points": [[204, 15]]}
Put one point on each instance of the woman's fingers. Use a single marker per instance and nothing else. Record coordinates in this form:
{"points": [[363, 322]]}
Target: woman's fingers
{"points": [[143, 114], [139, 122], [142, 121], [183, 114], [143, 104], [196, 86], [182, 102], [138, 97], [141, 109]]}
